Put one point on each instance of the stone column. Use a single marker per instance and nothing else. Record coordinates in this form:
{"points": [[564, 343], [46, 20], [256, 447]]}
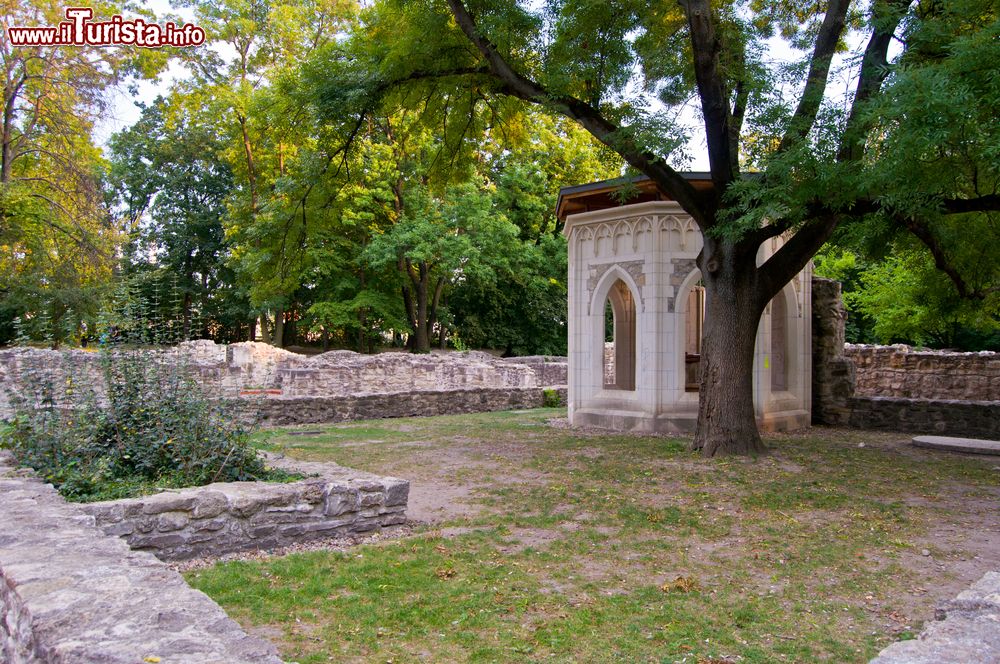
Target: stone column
{"points": [[833, 374]]}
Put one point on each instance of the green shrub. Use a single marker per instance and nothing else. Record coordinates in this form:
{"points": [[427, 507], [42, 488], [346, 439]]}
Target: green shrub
{"points": [[155, 428], [550, 398], [129, 421]]}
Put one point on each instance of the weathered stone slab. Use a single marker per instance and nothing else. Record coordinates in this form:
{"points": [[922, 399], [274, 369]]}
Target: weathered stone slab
{"points": [[952, 444], [71, 594], [967, 631]]}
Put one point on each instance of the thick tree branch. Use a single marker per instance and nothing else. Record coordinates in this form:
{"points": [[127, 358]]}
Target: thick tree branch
{"points": [[987, 203], [515, 84], [742, 96], [792, 256], [711, 90], [886, 17], [819, 69], [923, 233]]}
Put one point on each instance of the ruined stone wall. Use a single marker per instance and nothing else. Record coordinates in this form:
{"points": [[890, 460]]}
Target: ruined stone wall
{"points": [[897, 388], [550, 370], [69, 593], [974, 419], [902, 371], [280, 411], [237, 516], [343, 373], [833, 373], [238, 369]]}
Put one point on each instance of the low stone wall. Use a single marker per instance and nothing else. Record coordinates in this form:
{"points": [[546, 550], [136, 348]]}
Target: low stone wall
{"points": [[901, 371], [69, 593], [343, 373], [236, 516], [897, 388], [278, 411], [549, 369], [966, 630], [975, 419]]}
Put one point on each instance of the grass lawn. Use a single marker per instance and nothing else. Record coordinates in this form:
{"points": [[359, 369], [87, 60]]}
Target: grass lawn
{"points": [[538, 543]]}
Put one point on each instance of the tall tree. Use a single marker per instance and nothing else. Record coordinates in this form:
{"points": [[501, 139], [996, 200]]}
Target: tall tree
{"points": [[816, 151], [246, 73], [53, 216], [168, 170]]}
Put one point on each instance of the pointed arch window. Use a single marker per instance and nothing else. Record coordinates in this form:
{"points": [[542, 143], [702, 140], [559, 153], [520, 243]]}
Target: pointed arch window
{"points": [[619, 331]]}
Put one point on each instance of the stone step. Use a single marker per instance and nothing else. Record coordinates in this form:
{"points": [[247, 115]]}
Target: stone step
{"points": [[952, 444]]}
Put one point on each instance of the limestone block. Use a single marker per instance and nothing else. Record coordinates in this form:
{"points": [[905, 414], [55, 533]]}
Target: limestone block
{"points": [[168, 502], [210, 504], [342, 501], [170, 521]]}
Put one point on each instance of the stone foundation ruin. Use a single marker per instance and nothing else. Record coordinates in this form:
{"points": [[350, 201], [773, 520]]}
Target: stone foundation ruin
{"points": [[898, 388], [70, 593], [226, 517], [331, 387]]}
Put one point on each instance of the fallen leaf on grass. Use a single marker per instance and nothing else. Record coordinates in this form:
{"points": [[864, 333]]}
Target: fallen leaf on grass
{"points": [[682, 584], [445, 573]]}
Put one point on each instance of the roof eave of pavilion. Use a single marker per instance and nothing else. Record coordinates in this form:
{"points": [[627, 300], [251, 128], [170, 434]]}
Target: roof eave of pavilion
{"points": [[617, 192]]}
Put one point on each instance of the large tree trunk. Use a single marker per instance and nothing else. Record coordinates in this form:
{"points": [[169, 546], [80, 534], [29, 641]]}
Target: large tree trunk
{"points": [[423, 343], [278, 337], [265, 331], [726, 419]]}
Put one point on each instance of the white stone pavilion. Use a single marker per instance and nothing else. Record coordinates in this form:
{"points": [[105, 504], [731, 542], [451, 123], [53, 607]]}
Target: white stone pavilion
{"points": [[636, 311]]}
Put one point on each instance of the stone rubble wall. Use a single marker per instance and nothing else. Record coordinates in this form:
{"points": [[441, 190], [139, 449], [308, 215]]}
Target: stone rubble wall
{"points": [[237, 516], [343, 373], [550, 370], [902, 371], [951, 417], [833, 374], [966, 630], [234, 370], [71, 594], [897, 388], [279, 411]]}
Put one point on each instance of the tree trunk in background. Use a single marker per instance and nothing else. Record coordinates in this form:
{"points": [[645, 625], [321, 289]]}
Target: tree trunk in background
{"points": [[278, 338], [265, 331], [423, 341]]}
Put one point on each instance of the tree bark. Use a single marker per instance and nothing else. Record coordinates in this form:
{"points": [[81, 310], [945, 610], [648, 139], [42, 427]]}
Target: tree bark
{"points": [[265, 332], [278, 337], [726, 419], [423, 342]]}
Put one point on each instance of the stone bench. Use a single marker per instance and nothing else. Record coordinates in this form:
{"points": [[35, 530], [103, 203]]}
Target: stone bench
{"points": [[952, 444]]}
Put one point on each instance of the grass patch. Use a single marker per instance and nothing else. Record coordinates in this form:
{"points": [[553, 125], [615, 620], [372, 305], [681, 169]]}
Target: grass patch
{"points": [[578, 547]]}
